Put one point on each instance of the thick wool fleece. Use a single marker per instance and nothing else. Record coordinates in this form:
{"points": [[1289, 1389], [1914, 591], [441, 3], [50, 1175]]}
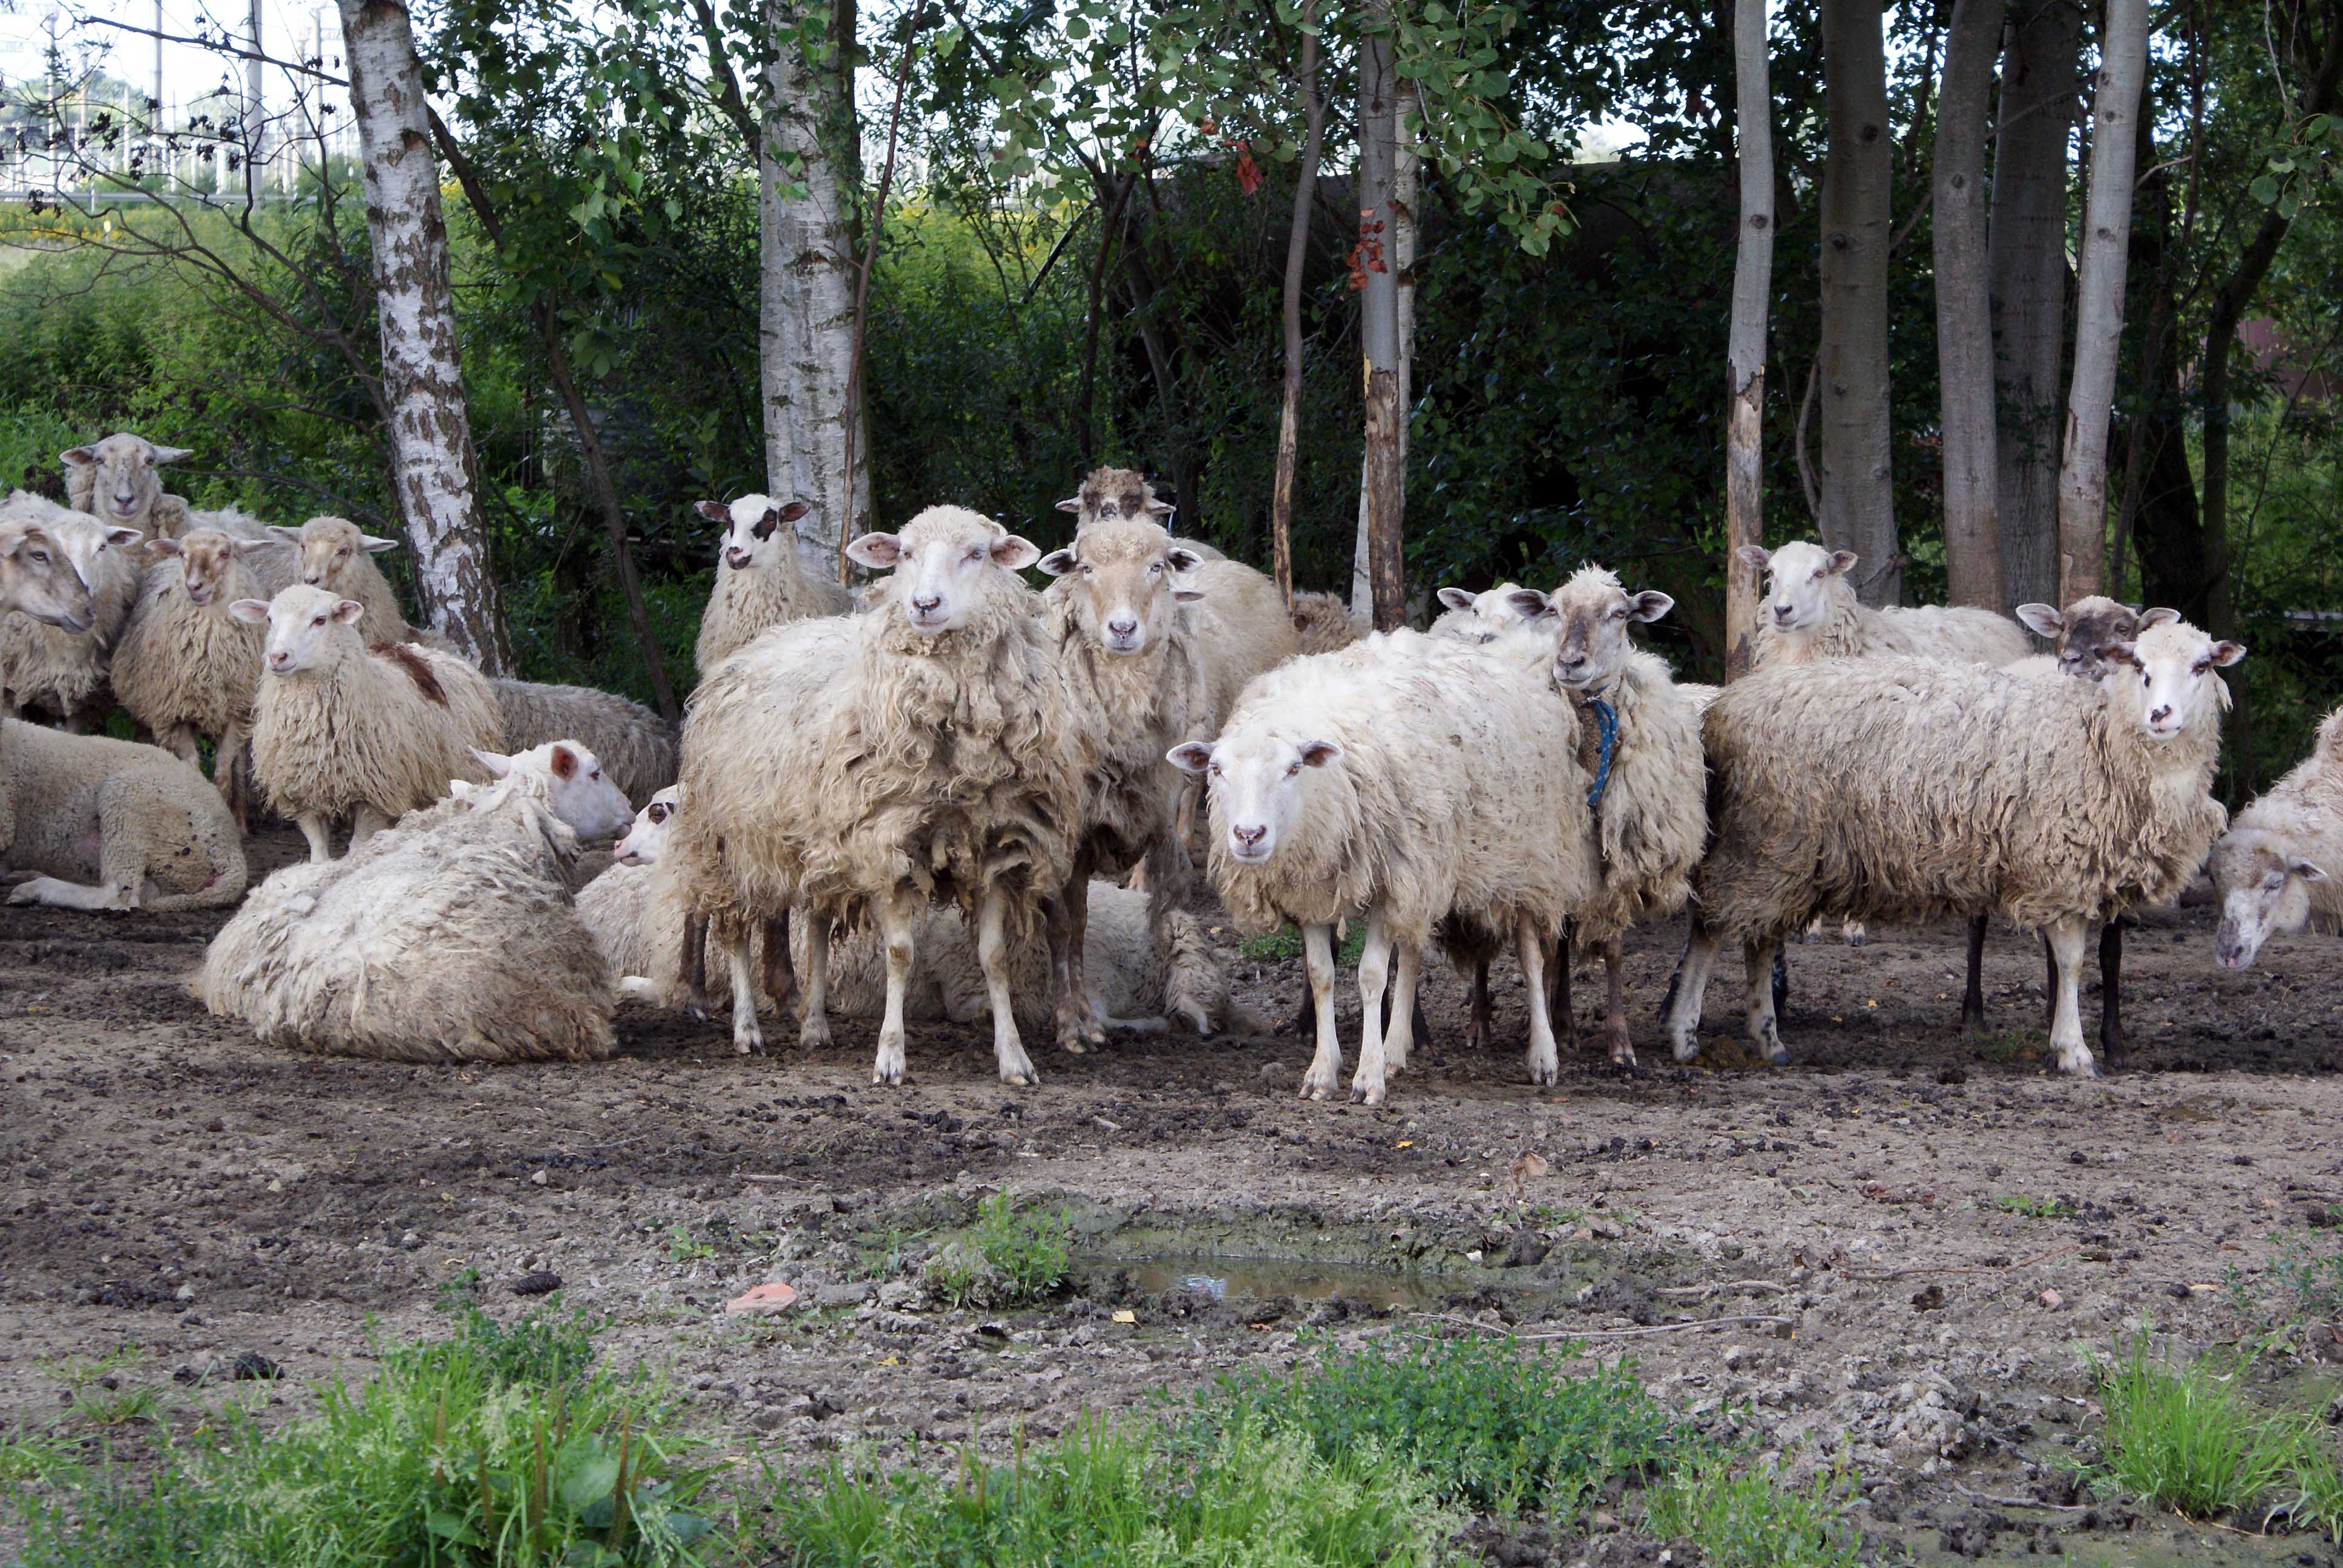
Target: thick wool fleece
{"points": [[183, 665], [1852, 629], [636, 747], [98, 812], [361, 730], [2300, 817], [747, 603]]}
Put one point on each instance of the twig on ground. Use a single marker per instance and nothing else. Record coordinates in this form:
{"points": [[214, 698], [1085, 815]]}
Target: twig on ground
{"points": [[1611, 1333], [1971, 1269], [1702, 1293], [746, 1177], [1999, 1501]]}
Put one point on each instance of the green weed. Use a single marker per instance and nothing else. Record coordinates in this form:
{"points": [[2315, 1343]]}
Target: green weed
{"points": [[96, 1406], [27, 1456], [2314, 1281], [1006, 1259], [1742, 1517], [682, 1248], [1284, 944], [2034, 1208], [2181, 1435], [79, 1373]]}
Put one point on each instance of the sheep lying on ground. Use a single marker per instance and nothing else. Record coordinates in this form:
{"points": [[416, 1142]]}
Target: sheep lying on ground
{"points": [[1322, 623], [187, 667], [451, 936], [636, 747], [45, 669], [2270, 868], [863, 768], [112, 825], [341, 730], [1896, 789], [338, 556], [759, 584], [1129, 654], [1811, 611], [1412, 778]]}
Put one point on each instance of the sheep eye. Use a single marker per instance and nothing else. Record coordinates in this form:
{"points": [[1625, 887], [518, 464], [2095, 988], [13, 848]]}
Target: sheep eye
{"points": [[41, 558], [2202, 665], [319, 621], [1156, 568]]}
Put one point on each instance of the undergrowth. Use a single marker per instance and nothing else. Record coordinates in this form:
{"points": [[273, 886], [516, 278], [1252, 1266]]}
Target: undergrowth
{"points": [[1744, 1516], [1008, 1258], [1284, 944]]}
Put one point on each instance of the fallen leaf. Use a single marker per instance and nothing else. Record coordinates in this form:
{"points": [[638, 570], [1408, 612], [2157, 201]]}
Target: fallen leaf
{"points": [[772, 1296], [1126, 1316], [1404, 1143], [2052, 1300]]}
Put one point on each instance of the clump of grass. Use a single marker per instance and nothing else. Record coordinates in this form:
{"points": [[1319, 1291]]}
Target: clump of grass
{"points": [[2180, 1435], [2034, 1208], [1284, 944], [99, 1406], [1244, 1495], [1491, 1428], [1006, 1259], [1742, 1517], [682, 1247], [540, 1347], [2312, 1281]]}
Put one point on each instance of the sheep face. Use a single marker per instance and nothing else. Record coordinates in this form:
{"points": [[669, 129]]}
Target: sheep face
{"points": [[568, 779], [1799, 595], [1592, 614], [754, 532], [328, 546], [1115, 495], [645, 841], [38, 577], [1258, 779], [307, 628], [944, 562], [206, 557], [2086, 627], [1485, 617], [1124, 590], [2163, 679], [125, 464], [88, 543], [2265, 892]]}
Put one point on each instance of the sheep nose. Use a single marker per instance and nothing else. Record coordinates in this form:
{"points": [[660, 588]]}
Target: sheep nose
{"points": [[1123, 626], [927, 604], [279, 661], [2159, 715], [309, 578], [1568, 659], [1248, 837]]}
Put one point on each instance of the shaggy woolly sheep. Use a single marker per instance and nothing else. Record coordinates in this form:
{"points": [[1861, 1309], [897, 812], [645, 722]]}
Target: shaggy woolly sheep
{"points": [[1898, 788], [1412, 777], [2270, 868], [1131, 660], [341, 730], [112, 825], [636, 746], [1322, 623], [451, 936], [1811, 611], [338, 556], [760, 583], [46, 669], [38, 577], [865, 768], [114, 481]]}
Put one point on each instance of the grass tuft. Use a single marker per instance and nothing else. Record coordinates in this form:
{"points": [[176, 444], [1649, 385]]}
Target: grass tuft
{"points": [[1006, 1259], [2180, 1435], [1743, 1516]]}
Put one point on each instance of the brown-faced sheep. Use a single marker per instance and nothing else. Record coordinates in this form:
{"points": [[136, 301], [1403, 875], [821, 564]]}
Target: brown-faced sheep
{"points": [[335, 555], [1322, 623]]}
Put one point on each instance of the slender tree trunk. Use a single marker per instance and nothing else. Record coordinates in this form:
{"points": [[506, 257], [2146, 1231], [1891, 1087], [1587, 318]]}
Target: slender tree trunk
{"points": [[2099, 300], [1379, 318], [436, 477], [1753, 284], [1964, 314], [1297, 254], [807, 170], [2158, 518], [2028, 250], [1858, 477], [1401, 255]]}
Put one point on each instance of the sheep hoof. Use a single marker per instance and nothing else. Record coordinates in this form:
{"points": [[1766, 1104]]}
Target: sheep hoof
{"points": [[1366, 1094], [1315, 1088], [747, 1041], [1544, 1073], [1688, 1049], [814, 1032], [1070, 1040]]}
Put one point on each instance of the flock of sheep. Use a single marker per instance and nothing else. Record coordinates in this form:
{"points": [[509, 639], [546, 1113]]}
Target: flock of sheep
{"points": [[952, 796]]}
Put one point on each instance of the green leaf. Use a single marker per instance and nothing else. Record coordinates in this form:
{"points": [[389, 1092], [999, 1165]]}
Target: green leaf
{"points": [[2264, 189], [452, 1527]]}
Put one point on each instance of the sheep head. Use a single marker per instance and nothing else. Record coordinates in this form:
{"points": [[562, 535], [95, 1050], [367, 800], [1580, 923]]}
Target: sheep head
{"points": [[645, 841], [1803, 576], [1592, 614], [37, 577], [206, 559], [329, 547], [568, 779], [2164, 680], [309, 628], [947, 562], [754, 534], [2086, 625], [1121, 578], [2265, 889], [1258, 778], [122, 483], [1114, 495]]}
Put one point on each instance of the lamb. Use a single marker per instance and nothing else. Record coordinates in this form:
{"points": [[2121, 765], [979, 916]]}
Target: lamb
{"points": [[44, 669], [636, 746], [863, 768], [342, 729], [451, 936], [760, 583], [2270, 868], [1899, 788], [187, 667], [337, 555], [1413, 779], [1322, 623], [1129, 657], [1810, 612]]}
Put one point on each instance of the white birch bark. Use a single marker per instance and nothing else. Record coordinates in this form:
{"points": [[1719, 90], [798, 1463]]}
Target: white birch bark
{"points": [[1403, 261], [1753, 287]]}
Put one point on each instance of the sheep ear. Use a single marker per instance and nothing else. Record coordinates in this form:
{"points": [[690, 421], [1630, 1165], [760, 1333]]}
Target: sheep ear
{"points": [[498, 764], [1649, 605], [1191, 757], [169, 547], [2041, 619], [252, 611], [1318, 753], [2225, 653], [2306, 871], [1071, 504], [1015, 553], [237, 545], [563, 761], [348, 611], [77, 457], [2160, 615], [877, 551], [1528, 603], [124, 539], [1156, 508], [1756, 556], [290, 536], [375, 547], [1455, 599], [1182, 559], [1841, 562], [714, 511], [1187, 594], [1057, 563], [791, 512], [165, 454]]}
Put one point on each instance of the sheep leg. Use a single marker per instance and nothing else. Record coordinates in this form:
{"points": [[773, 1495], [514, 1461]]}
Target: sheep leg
{"points": [[368, 822], [228, 772], [1529, 947], [814, 1030], [898, 923], [1764, 1033], [1326, 1066], [1621, 1044], [1066, 918], [1405, 1013], [780, 979], [1851, 932], [2066, 1022], [2049, 982], [992, 957], [59, 894], [746, 1036], [179, 740], [321, 841], [1561, 1012], [2111, 1037], [693, 963], [1374, 972], [1972, 995], [1691, 990], [1484, 1022]]}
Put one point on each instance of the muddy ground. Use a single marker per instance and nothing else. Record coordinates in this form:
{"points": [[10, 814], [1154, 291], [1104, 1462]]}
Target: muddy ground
{"points": [[166, 1181]]}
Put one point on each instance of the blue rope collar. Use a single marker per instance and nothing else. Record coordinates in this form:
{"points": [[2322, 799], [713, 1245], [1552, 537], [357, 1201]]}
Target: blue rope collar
{"points": [[1606, 720]]}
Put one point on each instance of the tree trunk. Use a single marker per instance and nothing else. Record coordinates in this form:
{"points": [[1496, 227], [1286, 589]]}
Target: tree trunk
{"points": [[806, 174], [1858, 479], [1753, 275], [1401, 254], [1297, 252], [2099, 300], [2158, 517], [1379, 309], [2028, 251], [435, 472], [1964, 311]]}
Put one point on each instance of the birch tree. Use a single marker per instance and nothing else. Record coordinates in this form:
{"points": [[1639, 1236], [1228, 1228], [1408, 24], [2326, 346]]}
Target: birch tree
{"points": [[1297, 256], [1964, 305], [433, 468], [1400, 254], [1378, 116], [1858, 502], [1753, 282]]}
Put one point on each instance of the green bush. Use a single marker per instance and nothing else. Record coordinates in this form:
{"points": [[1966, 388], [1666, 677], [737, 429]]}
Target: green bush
{"points": [[1007, 1259], [2182, 1435], [1744, 1516]]}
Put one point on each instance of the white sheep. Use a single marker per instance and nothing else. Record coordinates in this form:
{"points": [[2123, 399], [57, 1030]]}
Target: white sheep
{"points": [[335, 555], [112, 825], [1811, 611], [863, 768], [187, 667], [1322, 623], [341, 730], [1413, 779], [1904, 790], [1117, 495], [451, 936], [2270, 868], [760, 582], [636, 747], [115, 481], [38, 577], [46, 669], [1130, 658]]}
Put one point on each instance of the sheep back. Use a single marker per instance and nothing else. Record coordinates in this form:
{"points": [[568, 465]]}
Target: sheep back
{"points": [[1322, 623], [369, 731], [744, 605], [636, 747], [1242, 628]]}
